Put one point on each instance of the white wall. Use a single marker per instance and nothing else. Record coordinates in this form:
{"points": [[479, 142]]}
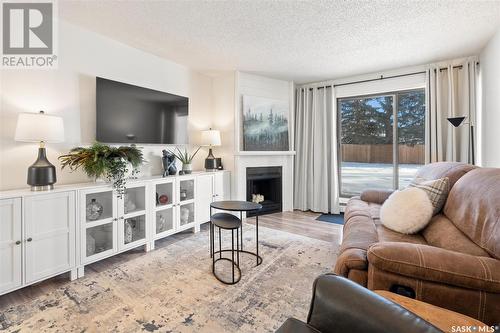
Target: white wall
{"points": [[223, 92], [69, 92], [490, 81]]}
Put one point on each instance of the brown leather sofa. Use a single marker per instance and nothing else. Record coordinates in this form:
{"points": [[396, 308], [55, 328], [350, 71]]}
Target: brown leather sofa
{"points": [[453, 263]]}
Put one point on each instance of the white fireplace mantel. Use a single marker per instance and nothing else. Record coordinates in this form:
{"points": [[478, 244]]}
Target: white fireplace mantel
{"points": [[266, 153], [244, 161]]}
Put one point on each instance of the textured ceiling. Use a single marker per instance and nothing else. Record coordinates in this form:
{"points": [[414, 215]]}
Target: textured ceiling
{"points": [[298, 40]]}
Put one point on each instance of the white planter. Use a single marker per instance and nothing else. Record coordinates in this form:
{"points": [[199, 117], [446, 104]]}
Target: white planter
{"points": [[187, 168]]}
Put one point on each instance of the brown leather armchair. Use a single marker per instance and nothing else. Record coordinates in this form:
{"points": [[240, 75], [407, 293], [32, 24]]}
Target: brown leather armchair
{"points": [[453, 263]]}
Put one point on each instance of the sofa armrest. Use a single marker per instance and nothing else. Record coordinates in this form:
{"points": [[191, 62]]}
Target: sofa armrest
{"points": [[375, 196], [435, 264], [340, 305]]}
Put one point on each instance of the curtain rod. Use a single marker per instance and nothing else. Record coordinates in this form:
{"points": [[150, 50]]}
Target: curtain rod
{"points": [[370, 80], [446, 68], [384, 77]]}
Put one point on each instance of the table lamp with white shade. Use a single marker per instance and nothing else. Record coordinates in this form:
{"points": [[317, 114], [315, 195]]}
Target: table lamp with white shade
{"points": [[42, 128], [210, 138]]}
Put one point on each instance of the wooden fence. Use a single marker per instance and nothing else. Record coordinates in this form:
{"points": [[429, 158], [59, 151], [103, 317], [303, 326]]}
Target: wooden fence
{"points": [[382, 153]]}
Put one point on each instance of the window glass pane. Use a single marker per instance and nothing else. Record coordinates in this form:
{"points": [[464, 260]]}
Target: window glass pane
{"points": [[366, 145], [411, 134]]}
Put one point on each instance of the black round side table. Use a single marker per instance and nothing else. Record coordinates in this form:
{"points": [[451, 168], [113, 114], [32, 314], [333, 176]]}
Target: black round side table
{"points": [[239, 206], [226, 221]]}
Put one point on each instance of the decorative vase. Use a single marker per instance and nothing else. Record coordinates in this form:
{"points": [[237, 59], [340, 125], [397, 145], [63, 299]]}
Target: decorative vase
{"points": [[94, 210], [160, 226], [183, 195], [187, 168], [163, 199], [128, 233], [184, 215], [130, 206], [90, 245]]}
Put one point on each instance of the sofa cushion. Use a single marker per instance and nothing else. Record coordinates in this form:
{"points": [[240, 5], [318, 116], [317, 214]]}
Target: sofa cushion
{"points": [[441, 232], [387, 235], [437, 190], [474, 207], [359, 230], [363, 228], [407, 211], [453, 170], [439, 265]]}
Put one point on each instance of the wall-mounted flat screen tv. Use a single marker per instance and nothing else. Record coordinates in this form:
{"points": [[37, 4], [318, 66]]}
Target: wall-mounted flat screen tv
{"points": [[130, 114]]}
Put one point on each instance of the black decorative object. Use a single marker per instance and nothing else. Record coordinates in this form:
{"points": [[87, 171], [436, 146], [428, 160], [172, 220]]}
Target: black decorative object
{"points": [[41, 128], [218, 163], [210, 162], [459, 121], [42, 173], [210, 138], [168, 161], [456, 121]]}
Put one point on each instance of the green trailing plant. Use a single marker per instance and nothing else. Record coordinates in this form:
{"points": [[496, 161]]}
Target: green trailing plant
{"points": [[103, 161], [185, 157]]}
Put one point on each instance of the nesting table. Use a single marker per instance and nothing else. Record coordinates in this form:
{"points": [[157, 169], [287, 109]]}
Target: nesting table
{"points": [[231, 222]]}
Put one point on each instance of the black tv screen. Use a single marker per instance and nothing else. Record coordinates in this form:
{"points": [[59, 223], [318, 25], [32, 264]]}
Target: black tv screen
{"points": [[132, 114]]}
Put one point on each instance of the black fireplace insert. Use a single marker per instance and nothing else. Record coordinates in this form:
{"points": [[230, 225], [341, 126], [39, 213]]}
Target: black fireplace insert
{"points": [[265, 182]]}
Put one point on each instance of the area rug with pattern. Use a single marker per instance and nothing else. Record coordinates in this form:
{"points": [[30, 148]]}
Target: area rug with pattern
{"points": [[172, 289]]}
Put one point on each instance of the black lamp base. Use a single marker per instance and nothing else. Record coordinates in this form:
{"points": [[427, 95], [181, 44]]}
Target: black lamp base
{"points": [[42, 174], [210, 162]]}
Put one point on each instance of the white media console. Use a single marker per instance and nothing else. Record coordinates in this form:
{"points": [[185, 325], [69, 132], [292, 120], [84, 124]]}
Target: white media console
{"points": [[44, 234]]}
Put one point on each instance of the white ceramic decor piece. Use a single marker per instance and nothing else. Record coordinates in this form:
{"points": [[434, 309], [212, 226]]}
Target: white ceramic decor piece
{"points": [[90, 245], [130, 205], [128, 234], [184, 215]]}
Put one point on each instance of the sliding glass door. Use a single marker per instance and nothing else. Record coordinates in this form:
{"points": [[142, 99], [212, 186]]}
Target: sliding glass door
{"points": [[410, 135], [381, 140]]}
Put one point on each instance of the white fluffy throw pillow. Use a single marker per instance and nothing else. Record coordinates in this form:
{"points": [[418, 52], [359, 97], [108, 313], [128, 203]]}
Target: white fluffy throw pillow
{"points": [[407, 211]]}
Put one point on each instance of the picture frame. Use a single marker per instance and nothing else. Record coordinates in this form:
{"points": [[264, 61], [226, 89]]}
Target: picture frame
{"points": [[265, 124]]}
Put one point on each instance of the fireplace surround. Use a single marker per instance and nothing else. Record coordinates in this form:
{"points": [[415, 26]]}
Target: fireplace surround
{"points": [[266, 181]]}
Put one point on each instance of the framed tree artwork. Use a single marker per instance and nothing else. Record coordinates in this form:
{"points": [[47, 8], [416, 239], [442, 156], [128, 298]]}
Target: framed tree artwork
{"points": [[265, 124]]}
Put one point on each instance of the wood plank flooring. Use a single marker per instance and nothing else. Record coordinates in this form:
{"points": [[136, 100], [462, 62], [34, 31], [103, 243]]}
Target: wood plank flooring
{"points": [[301, 223], [296, 222]]}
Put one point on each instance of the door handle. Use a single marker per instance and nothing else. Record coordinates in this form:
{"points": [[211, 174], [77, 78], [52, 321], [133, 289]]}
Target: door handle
{"points": [[29, 239], [18, 242], [122, 218]]}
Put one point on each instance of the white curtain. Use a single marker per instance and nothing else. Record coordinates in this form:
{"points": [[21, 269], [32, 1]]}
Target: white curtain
{"points": [[451, 92], [316, 174]]}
